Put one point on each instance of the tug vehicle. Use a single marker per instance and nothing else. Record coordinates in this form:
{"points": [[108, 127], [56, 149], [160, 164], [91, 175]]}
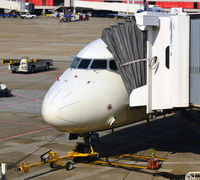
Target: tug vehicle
{"points": [[28, 65]]}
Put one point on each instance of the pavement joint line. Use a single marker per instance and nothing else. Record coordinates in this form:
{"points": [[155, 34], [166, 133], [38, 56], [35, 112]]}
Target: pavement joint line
{"points": [[31, 100], [4, 67], [4, 72], [23, 124], [26, 133]]}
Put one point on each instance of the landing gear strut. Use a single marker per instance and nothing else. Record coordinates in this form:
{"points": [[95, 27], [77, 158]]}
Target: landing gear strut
{"points": [[86, 138], [91, 137], [110, 142]]}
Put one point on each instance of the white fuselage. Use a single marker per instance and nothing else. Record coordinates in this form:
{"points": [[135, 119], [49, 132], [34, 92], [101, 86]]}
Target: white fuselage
{"points": [[88, 100]]}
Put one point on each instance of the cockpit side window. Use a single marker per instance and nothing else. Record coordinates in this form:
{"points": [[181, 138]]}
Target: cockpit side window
{"points": [[75, 62], [99, 64], [84, 64], [112, 65]]}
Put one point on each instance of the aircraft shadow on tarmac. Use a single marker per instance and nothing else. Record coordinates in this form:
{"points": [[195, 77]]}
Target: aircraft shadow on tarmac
{"points": [[171, 134], [41, 174]]}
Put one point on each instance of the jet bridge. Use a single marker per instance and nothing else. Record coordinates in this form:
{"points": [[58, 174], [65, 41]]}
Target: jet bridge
{"points": [[163, 69], [127, 44]]}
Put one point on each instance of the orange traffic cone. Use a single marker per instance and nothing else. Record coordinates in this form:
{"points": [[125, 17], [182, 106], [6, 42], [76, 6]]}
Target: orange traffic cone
{"points": [[153, 161]]}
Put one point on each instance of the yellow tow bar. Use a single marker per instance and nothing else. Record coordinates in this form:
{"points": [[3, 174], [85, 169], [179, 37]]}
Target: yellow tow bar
{"points": [[80, 152], [48, 157], [83, 152]]}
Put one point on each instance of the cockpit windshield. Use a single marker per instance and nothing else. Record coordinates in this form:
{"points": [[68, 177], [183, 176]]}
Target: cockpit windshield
{"points": [[84, 64], [100, 64]]}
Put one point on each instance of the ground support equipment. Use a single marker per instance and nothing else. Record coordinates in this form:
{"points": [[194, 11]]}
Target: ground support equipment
{"points": [[81, 152], [85, 153], [132, 164]]}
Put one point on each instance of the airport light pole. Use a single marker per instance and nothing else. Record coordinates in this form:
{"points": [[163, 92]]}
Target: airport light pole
{"points": [[145, 5]]}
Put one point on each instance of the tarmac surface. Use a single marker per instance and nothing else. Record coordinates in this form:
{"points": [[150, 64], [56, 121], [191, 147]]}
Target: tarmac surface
{"points": [[24, 136]]}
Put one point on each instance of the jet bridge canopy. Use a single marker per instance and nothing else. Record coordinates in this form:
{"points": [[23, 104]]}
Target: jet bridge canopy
{"points": [[127, 44]]}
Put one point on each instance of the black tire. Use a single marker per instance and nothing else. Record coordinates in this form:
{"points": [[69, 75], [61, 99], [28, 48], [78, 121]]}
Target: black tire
{"points": [[13, 71], [95, 158], [32, 69], [52, 165], [6, 94], [69, 166]]}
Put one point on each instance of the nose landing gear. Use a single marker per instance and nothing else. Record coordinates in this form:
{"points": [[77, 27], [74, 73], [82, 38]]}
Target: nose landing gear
{"points": [[92, 137]]}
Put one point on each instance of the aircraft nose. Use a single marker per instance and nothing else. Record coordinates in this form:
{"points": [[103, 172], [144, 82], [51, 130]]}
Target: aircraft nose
{"points": [[61, 108]]}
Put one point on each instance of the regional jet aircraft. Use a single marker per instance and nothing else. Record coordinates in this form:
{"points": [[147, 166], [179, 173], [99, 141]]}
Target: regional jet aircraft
{"points": [[90, 95]]}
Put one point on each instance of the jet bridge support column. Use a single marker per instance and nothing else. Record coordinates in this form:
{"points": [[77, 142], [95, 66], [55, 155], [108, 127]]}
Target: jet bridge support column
{"points": [[149, 71], [156, 50]]}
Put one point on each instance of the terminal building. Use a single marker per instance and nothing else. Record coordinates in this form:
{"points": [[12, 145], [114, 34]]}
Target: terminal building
{"points": [[47, 2], [28, 5], [187, 5], [100, 5]]}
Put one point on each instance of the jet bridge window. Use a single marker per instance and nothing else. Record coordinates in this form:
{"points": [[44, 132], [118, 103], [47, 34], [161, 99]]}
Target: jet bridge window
{"points": [[75, 62], [84, 64], [99, 64], [112, 65], [167, 64]]}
